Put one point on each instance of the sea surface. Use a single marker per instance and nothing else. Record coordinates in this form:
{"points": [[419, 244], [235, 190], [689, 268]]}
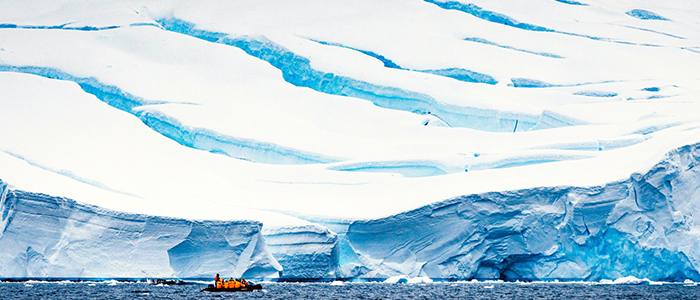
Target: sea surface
{"points": [[495, 290]]}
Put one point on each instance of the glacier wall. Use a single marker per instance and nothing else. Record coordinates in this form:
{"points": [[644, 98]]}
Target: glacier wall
{"points": [[44, 236], [645, 226], [297, 70], [305, 252]]}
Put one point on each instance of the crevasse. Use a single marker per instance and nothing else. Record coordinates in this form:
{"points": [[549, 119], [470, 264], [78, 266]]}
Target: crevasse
{"points": [[297, 70], [198, 138]]}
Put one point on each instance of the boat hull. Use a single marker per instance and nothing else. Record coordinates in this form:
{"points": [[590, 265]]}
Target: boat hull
{"points": [[248, 288]]}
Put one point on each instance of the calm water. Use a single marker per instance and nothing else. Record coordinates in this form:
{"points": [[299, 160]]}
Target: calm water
{"points": [[34, 290]]}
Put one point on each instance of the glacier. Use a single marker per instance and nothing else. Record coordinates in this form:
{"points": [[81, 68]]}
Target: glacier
{"points": [[644, 227], [44, 236], [408, 140]]}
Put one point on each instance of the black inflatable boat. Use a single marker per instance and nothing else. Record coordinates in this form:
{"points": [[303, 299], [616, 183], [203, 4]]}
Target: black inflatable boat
{"points": [[247, 288]]}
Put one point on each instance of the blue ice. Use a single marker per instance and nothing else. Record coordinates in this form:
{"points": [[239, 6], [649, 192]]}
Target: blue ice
{"points": [[463, 75], [481, 13], [198, 138], [571, 2], [530, 83], [574, 233], [387, 62], [297, 70], [596, 94], [487, 42], [455, 73], [66, 27], [645, 15], [407, 170]]}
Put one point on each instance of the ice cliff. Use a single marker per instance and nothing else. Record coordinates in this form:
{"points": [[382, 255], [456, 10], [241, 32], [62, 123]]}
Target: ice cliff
{"points": [[305, 252], [43, 236], [645, 226]]}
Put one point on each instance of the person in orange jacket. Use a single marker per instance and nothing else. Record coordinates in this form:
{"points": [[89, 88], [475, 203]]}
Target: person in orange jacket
{"points": [[217, 281]]}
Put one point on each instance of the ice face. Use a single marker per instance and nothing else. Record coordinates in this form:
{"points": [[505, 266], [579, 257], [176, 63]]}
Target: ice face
{"points": [[642, 227], [304, 252], [44, 236]]}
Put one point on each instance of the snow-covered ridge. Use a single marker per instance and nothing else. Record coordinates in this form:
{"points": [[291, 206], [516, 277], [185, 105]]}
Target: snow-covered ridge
{"points": [[44, 236]]}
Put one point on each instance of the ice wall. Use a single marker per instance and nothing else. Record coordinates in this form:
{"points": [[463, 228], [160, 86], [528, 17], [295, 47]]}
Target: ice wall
{"points": [[645, 226], [305, 252], [44, 236]]}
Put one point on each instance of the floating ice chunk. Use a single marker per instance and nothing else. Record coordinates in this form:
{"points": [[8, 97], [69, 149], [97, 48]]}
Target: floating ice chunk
{"points": [[406, 279], [631, 280], [396, 279], [111, 282], [423, 279]]}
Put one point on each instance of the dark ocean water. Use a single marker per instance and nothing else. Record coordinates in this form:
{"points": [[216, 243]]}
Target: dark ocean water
{"points": [[106, 290]]}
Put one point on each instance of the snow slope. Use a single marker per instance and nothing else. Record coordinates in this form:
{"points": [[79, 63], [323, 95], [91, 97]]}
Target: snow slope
{"points": [[301, 115]]}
